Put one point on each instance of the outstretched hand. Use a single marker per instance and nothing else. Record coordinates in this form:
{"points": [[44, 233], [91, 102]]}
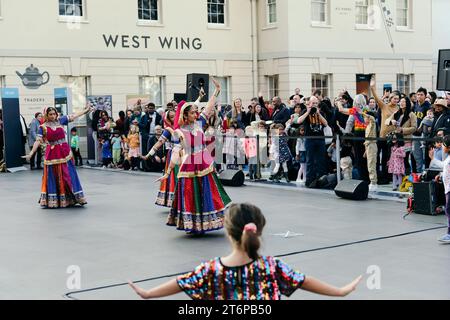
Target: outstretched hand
{"points": [[27, 157], [164, 177], [216, 84], [349, 288], [139, 291], [372, 81]]}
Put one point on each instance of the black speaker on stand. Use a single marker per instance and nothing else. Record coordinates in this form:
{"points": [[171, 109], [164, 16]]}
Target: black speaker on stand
{"points": [[232, 177], [352, 189], [443, 76], [194, 82]]}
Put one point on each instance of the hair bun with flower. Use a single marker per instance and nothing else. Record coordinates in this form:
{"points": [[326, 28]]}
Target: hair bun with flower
{"points": [[250, 227]]}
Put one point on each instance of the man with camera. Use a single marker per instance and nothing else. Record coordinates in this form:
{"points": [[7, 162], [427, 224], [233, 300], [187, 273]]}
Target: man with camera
{"points": [[147, 126], [314, 123]]}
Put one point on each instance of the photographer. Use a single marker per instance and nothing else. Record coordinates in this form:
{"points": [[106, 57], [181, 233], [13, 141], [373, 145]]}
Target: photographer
{"points": [[314, 123], [147, 126]]}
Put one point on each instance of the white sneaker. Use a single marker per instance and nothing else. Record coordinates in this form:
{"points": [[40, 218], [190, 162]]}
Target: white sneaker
{"points": [[373, 187]]}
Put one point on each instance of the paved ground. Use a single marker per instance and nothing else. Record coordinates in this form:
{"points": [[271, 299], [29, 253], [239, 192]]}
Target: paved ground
{"points": [[121, 235]]}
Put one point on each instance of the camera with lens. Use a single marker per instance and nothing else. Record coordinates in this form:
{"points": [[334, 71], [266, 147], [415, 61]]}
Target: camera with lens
{"points": [[313, 111]]}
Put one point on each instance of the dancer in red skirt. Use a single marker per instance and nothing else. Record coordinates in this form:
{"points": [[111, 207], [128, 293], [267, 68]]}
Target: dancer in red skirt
{"points": [[60, 184], [200, 199]]}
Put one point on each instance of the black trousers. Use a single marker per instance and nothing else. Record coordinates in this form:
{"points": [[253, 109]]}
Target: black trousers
{"points": [[77, 157], [36, 159]]}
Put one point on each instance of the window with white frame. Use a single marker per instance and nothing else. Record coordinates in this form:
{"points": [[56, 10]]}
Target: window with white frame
{"points": [[71, 8], [319, 11], [224, 97], [362, 12], [80, 88], [272, 85], [216, 12], [403, 13], [271, 11], [321, 82], [152, 86], [148, 10], [404, 83]]}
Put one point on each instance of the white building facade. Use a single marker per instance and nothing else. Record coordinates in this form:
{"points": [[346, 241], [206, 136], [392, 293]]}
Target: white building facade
{"points": [[126, 47]]}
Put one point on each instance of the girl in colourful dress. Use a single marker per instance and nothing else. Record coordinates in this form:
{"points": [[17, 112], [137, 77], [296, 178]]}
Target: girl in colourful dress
{"points": [[396, 164], [61, 187], [243, 274], [200, 199], [167, 186]]}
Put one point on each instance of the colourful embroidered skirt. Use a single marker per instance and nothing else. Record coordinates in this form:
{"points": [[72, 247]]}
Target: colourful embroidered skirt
{"points": [[61, 187], [167, 187], [199, 204]]}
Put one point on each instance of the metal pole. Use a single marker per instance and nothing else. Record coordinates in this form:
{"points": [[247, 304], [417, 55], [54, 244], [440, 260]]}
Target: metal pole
{"points": [[258, 164], [338, 157]]}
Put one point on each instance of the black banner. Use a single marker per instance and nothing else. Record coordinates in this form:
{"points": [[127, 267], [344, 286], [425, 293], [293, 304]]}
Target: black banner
{"points": [[12, 129]]}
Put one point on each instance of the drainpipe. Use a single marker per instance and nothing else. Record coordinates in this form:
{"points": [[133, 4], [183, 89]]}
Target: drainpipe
{"points": [[254, 36]]}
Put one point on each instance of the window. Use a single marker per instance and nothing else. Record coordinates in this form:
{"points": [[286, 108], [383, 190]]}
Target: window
{"points": [[271, 11], [319, 11], [71, 8], [403, 13], [273, 86], [216, 11], [153, 87], [404, 83], [321, 82], [361, 12], [224, 97], [148, 10]]}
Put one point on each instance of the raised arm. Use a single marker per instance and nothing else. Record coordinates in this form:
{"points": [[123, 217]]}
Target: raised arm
{"points": [[316, 286], [167, 289], [342, 109], [86, 110], [373, 88], [212, 100]]}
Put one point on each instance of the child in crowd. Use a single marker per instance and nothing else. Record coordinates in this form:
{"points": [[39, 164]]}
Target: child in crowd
{"points": [[331, 151], [251, 151], [300, 150], [125, 160], [116, 142], [347, 157], [281, 152], [396, 164], [134, 145], [75, 146], [106, 152], [244, 274], [426, 127]]}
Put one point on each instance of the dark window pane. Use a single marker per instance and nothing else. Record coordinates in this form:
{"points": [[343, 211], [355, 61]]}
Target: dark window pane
{"points": [[62, 10], [209, 8], [214, 19], [140, 15], [80, 10], [220, 9], [154, 15], [78, 2], [154, 4], [221, 19], [140, 4], [214, 8], [146, 4], [146, 15]]}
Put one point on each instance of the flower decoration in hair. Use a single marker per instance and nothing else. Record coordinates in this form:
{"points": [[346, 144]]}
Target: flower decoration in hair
{"points": [[250, 227]]}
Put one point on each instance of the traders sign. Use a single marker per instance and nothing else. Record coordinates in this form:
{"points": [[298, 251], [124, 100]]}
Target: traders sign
{"points": [[136, 42]]}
